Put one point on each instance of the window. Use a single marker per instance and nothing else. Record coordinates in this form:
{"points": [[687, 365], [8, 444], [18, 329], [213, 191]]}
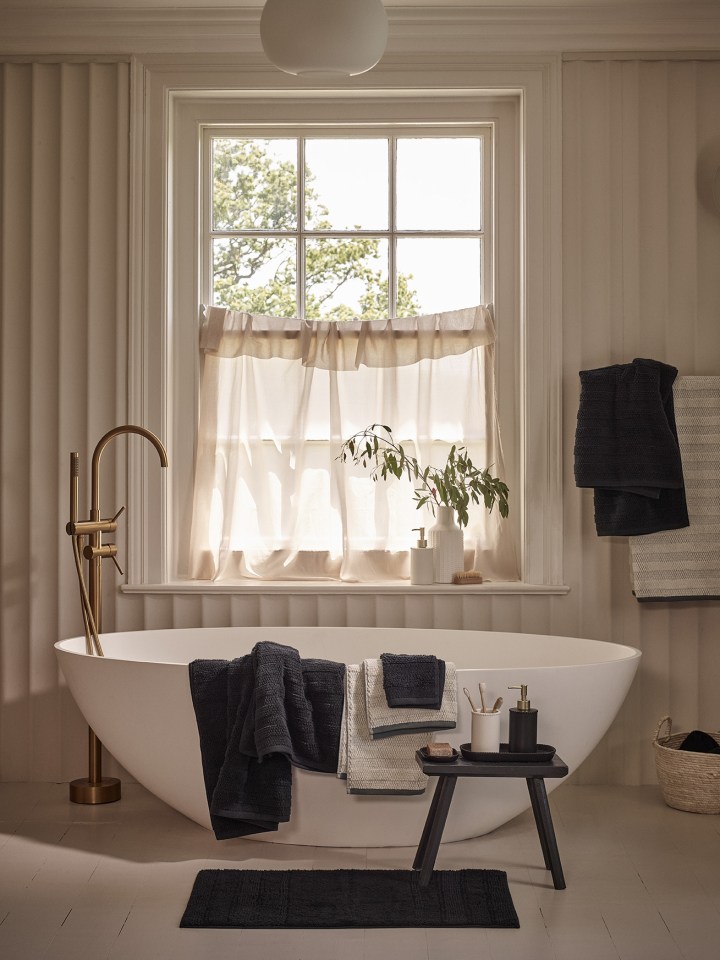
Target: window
{"points": [[340, 230], [333, 228], [177, 101]]}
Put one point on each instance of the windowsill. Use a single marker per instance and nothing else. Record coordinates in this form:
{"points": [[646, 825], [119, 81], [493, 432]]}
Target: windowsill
{"points": [[387, 587]]}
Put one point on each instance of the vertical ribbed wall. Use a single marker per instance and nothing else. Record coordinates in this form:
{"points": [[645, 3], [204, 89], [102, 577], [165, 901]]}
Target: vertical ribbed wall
{"points": [[64, 188], [642, 278]]}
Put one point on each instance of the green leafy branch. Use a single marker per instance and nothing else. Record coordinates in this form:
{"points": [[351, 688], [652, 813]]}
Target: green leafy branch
{"points": [[458, 484]]}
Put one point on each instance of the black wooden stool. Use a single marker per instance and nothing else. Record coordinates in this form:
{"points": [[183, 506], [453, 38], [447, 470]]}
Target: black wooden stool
{"points": [[447, 774]]}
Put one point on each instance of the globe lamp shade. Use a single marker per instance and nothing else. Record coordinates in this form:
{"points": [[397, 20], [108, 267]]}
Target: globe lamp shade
{"points": [[344, 37]]}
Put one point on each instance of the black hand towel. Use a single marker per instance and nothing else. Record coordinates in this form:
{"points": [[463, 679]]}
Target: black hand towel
{"points": [[626, 447], [413, 680], [257, 716]]}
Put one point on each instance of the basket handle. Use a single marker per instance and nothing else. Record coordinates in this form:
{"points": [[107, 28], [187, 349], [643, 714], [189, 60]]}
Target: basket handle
{"points": [[668, 721]]}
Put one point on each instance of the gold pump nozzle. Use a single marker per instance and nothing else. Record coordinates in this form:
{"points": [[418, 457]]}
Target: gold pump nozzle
{"points": [[422, 542], [523, 703]]}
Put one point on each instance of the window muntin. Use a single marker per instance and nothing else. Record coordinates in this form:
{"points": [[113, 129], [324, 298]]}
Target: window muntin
{"points": [[366, 226]]}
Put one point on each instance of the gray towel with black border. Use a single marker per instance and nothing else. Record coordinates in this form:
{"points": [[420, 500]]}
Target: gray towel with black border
{"points": [[386, 721]]}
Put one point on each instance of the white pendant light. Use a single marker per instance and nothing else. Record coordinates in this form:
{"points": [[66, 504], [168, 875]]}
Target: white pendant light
{"points": [[344, 37]]}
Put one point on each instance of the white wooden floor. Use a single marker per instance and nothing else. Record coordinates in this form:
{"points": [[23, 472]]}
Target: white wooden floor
{"points": [[112, 882]]}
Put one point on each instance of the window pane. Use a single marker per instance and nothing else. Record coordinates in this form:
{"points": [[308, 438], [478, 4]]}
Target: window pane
{"points": [[445, 272], [254, 184], [439, 183], [256, 274], [346, 279], [346, 184]]}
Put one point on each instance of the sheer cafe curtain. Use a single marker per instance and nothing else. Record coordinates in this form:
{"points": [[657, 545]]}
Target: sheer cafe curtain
{"points": [[279, 396]]}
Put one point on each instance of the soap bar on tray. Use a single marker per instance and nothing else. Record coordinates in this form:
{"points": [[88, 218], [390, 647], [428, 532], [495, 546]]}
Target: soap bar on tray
{"points": [[438, 750]]}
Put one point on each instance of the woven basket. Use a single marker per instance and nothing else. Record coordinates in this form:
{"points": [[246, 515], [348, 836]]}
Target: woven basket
{"points": [[688, 780]]}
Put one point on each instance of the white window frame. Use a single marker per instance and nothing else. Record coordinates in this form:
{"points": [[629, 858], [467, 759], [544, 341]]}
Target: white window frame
{"points": [[170, 99]]}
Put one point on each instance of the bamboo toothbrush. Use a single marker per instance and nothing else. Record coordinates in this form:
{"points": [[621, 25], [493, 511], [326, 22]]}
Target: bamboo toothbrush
{"points": [[498, 703], [467, 694], [482, 686]]}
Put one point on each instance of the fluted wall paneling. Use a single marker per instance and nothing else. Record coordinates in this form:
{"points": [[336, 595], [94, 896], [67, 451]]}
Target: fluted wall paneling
{"points": [[641, 278], [64, 279]]}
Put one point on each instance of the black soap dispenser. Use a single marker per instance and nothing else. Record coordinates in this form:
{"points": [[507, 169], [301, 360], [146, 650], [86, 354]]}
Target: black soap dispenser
{"points": [[523, 724]]}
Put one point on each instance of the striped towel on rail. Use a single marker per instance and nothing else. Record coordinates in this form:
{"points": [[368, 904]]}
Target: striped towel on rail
{"points": [[684, 564]]}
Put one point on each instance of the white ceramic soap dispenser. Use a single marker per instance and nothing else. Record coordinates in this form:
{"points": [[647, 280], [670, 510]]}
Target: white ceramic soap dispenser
{"points": [[421, 560]]}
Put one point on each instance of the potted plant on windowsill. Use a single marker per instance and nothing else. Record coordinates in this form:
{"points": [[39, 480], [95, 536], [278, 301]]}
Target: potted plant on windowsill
{"points": [[448, 490]]}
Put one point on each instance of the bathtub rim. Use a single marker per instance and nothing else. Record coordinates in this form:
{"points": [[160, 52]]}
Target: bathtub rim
{"points": [[622, 652]]}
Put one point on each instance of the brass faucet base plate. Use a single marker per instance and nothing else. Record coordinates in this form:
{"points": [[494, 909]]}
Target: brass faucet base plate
{"points": [[106, 790]]}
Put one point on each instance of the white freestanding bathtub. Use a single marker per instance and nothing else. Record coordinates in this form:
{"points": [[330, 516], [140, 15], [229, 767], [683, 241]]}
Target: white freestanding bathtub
{"points": [[137, 700]]}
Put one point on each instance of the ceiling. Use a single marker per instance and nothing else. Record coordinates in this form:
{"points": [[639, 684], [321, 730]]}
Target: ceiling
{"points": [[198, 4]]}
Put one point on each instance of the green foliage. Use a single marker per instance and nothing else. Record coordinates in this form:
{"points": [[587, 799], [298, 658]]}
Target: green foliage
{"points": [[458, 484], [255, 191]]}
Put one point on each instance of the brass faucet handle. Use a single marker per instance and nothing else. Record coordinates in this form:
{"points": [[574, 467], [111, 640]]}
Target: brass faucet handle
{"points": [[86, 528], [103, 552], [117, 514]]}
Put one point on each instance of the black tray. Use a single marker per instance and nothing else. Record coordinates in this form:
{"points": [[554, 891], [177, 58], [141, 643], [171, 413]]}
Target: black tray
{"points": [[542, 754], [424, 755]]}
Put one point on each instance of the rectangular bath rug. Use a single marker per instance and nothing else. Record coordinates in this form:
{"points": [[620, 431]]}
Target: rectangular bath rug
{"points": [[327, 899]]}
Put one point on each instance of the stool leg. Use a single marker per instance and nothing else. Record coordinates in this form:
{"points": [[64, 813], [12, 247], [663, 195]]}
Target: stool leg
{"points": [[447, 787], [538, 822], [546, 831], [422, 846]]}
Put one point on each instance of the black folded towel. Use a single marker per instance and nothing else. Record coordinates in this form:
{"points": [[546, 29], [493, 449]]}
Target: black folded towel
{"points": [[257, 716], [700, 742], [413, 680], [626, 447]]}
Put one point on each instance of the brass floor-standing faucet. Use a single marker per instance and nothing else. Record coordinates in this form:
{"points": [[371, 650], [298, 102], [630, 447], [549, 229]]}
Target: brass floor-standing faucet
{"points": [[95, 788]]}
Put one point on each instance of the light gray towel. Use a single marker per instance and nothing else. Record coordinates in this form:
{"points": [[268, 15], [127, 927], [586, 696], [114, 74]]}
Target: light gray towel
{"points": [[386, 766], [385, 721], [684, 564]]}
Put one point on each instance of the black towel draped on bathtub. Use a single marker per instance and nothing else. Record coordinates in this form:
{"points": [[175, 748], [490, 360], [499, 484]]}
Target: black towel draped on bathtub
{"points": [[258, 716]]}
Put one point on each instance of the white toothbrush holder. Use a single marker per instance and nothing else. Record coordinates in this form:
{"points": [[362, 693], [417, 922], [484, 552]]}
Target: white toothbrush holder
{"points": [[485, 732]]}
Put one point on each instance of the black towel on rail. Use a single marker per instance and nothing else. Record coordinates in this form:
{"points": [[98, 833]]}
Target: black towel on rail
{"points": [[257, 716], [626, 448]]}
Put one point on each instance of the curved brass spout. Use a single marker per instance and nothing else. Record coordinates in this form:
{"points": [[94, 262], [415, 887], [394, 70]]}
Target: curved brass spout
{"points": [[94, 551], [102, 443]]}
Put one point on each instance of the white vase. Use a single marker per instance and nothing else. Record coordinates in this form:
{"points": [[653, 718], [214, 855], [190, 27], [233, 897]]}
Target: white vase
{"points": [[446, 540]]}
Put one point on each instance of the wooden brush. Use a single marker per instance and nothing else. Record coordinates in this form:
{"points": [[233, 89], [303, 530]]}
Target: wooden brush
{"points": [[467, 576]]}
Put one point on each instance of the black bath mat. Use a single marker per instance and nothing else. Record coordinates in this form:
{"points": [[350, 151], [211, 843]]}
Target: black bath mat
{"points": [[324, 899]]}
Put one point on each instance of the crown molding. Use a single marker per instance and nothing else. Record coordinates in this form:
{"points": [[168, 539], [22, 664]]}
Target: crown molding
{"points": [[528, 27]]}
